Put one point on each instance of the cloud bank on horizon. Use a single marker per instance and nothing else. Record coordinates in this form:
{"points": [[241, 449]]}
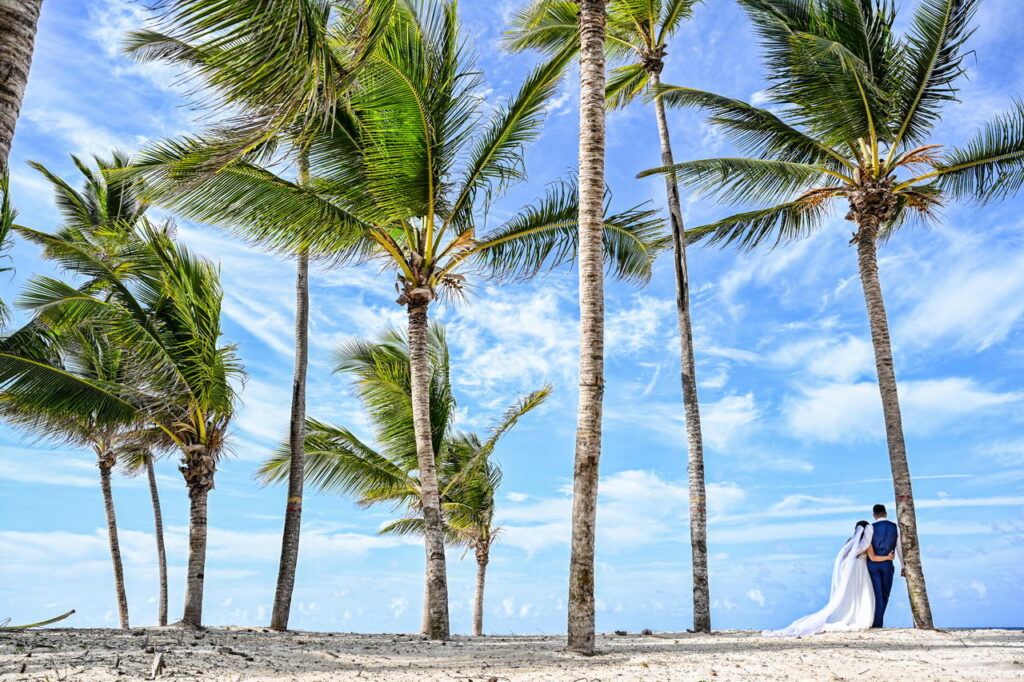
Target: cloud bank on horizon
{"points": [[794, 438]]}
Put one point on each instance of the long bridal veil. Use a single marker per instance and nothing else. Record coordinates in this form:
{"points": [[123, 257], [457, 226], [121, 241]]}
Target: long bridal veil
{"points": [[847, 588]]}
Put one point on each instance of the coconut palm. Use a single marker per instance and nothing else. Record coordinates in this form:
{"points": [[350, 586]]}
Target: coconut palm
{"points": [[591, 276], [18, 20], [87, 354], [414, 162], [470, 509], [637, 37], [281, 69], [858, 103], [133, 463], [101, 218], [338, 462], [161, 306]]}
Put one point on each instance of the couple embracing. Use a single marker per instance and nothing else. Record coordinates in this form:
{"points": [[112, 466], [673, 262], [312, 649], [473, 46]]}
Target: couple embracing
{"points": [[861, 581]]}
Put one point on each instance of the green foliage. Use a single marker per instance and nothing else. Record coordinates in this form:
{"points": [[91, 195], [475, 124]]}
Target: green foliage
{"points": [[852, 104], [337, 462]]}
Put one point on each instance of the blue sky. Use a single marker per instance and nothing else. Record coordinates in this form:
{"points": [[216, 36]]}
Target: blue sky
{"points": [[794, 442]]}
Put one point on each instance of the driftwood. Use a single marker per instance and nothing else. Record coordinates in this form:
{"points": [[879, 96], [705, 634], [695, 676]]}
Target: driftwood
{"points": [[7, 628]]}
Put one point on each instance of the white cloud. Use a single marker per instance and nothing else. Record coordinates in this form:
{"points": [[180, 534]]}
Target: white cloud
{"points": [[724, 420], [756, 595], [839, 358], [840, 412], [83, 136]]}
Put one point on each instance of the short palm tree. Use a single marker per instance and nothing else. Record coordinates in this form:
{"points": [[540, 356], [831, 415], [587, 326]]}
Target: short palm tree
{"points": [[339, 462], [857, 104], [161, 306], [413, 162], [86, 353], [637, 37], [280, 69]]}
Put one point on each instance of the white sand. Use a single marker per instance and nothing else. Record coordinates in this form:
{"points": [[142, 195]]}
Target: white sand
{"points": [[238, 654]]}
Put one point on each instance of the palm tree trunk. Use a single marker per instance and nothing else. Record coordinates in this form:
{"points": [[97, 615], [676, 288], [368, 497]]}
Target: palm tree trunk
{"points": [[591, 283], [433, 529], [425, 618], [18, 20], [198, 468], [478, 602], [158, 529], [106, 463], [906, 516], [296, 443], [691, 408]]}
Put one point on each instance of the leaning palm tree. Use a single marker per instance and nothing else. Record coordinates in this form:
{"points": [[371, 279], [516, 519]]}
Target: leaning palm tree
{"points": [[280, 70], [338, 462], [162, 306], [857, 106], [101, 218], [637, 37], [413, 162], [18, 20], [87, 354]]}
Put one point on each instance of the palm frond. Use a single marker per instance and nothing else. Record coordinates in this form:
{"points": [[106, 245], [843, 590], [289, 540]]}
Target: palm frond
{"points": [[989, 167], [773, 226], [934, 61], [745, 180], [543, 236]]}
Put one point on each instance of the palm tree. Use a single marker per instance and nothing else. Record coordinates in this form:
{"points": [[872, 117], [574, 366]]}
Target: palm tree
{"points": [[102, 218], [162, 307], [86, 353], [637, 37], [591, 276], [276, 63], [471, 511], [133, 464], [859, 102], [18, 19], [413, 162], [338, 462]]}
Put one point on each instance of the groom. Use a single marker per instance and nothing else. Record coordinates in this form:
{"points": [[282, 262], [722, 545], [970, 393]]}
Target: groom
{"points": [[884, 540]]}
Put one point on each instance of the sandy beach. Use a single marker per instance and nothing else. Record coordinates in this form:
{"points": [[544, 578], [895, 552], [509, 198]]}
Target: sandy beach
{"points": [[237, 654]]}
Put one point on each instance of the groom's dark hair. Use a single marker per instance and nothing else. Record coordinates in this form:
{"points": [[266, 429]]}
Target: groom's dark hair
{"points": [[879, 510]]}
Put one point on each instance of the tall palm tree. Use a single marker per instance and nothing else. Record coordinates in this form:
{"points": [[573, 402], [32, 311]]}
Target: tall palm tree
{"points": [[162, 306], [637, 37], [102, 218], [284, 67], [858, 104], [591, 277], [338, 462], [86, 353], [413, 162], [18, 20]]}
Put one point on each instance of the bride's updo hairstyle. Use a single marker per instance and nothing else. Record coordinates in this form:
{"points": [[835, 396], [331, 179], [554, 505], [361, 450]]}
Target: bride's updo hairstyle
{"points": [[860, 524]]}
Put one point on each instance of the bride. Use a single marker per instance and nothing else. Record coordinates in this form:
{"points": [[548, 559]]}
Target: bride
{"points": [[851, 605]]}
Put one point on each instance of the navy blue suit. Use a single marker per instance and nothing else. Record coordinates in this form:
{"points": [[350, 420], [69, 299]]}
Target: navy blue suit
{"points": [[883, 541]]}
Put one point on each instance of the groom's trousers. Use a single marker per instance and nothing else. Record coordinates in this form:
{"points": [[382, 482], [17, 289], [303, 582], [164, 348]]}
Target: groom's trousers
{"points": [[881, 573]]}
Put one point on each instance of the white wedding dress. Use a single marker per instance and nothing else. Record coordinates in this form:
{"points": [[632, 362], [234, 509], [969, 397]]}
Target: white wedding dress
{"points": [[851, 604]]}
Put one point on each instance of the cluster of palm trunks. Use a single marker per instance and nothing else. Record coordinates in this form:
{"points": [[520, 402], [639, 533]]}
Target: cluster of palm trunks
{"points": [[375, 104]]}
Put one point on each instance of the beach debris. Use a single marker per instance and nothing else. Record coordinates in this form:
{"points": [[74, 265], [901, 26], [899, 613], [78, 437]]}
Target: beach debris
{"points": [[4, 627], [158, 665], [646, 631], [621, 633]]}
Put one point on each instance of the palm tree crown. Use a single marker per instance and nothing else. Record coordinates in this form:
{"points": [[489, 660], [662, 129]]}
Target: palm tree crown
{"points": [[856, 105]]}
